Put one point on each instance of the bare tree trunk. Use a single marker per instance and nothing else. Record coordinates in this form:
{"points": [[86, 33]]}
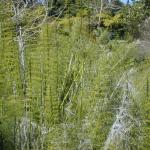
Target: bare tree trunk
{"points": [[100, 13], [21, 45]]}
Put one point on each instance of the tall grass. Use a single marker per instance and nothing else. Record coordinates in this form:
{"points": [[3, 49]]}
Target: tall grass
{"points": [[72, 92]]}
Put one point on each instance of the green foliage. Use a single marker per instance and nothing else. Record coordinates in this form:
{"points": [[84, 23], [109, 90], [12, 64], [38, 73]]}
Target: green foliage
{"points": [[73, 83]]}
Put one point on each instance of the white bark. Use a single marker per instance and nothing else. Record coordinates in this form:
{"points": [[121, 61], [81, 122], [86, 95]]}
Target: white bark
{"points": [[20, 9], [26, 127], [124, 120]]}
